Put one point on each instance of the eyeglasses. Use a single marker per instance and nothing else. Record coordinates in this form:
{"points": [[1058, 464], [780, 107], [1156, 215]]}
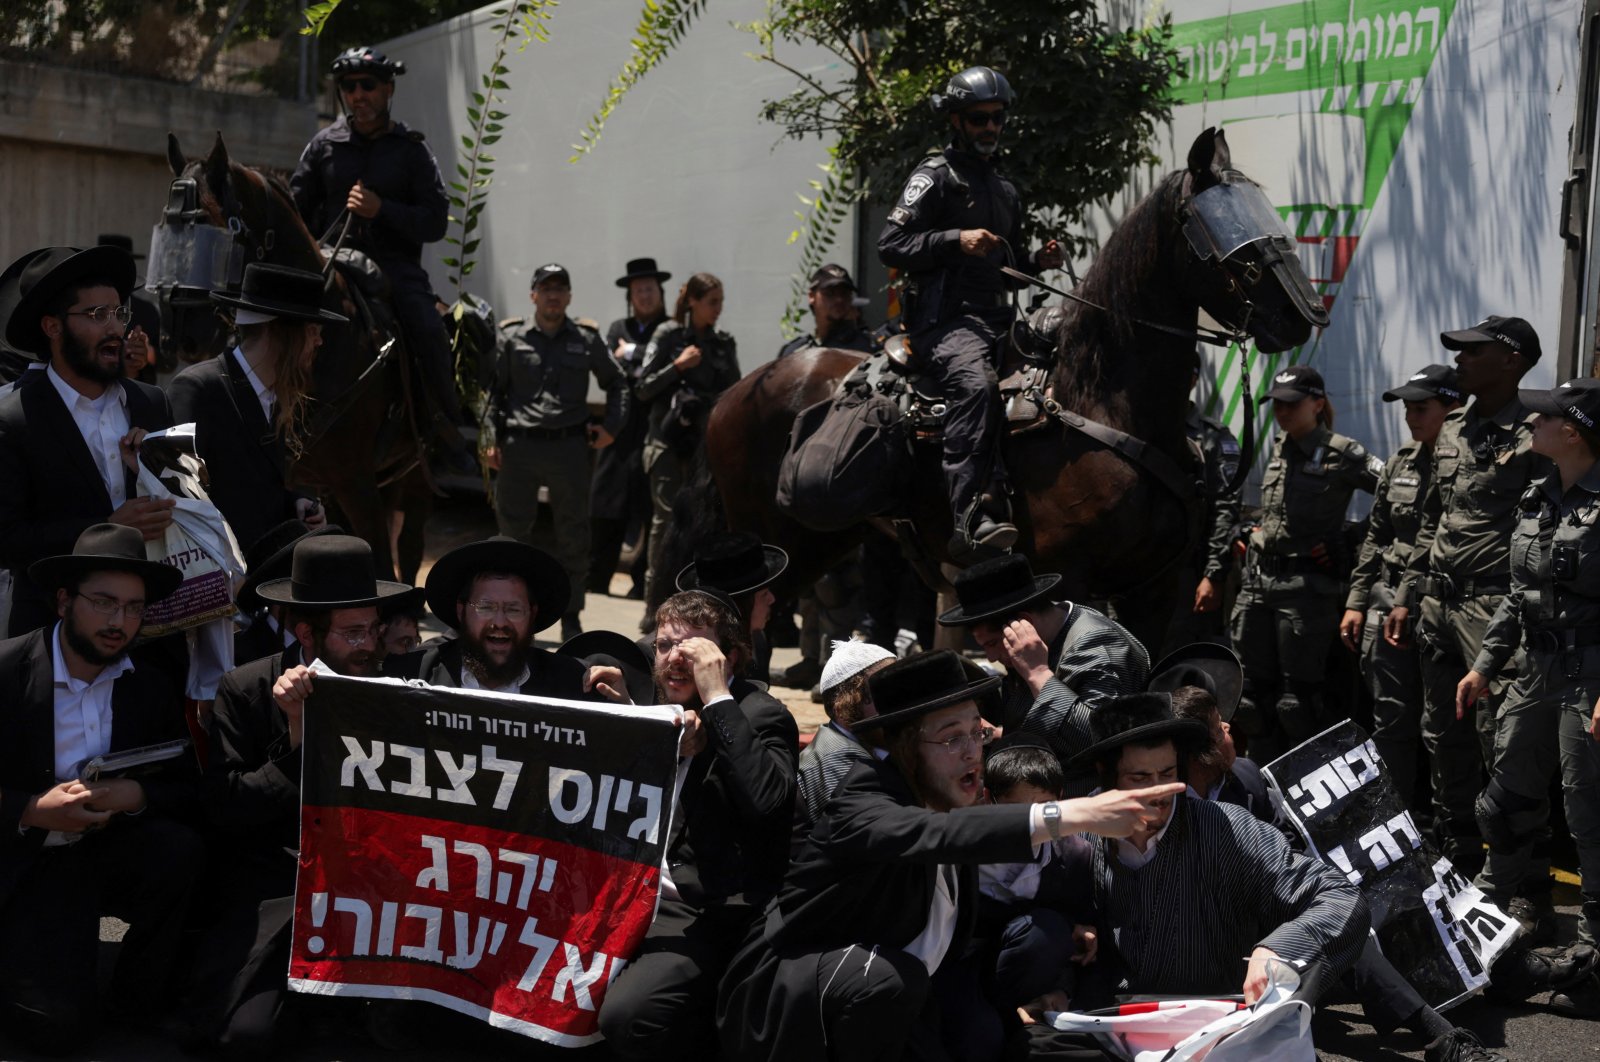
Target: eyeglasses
{"points": [[487, 609], [356, 637], [110, 606], [102, 314], [962, 744], [365, 84], [979, 119]]}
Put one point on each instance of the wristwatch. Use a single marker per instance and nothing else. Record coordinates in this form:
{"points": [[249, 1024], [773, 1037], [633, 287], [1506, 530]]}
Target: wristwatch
{"points": [[1052, 819]]}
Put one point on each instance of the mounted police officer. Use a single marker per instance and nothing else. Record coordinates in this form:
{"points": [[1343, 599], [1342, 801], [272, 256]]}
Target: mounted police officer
{"points": [[956, 223], [385, 177]]}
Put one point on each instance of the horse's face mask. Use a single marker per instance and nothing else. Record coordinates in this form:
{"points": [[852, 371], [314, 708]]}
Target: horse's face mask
{"points": [[189, 259], [1233, 226]]}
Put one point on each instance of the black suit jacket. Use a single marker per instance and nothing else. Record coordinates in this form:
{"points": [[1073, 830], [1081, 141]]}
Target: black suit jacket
{"points": [[439, 664], [730, 842], [243, 454], [252, 779], [145, 709], [50, 486]]}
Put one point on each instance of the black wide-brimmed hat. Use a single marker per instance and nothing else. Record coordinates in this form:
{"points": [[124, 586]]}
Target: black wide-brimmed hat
{"points": [[911, 688], [117, 239], [549, 588], [732, 563], [103, 548], [996, 587], [608, 648], [47, 273], [1141, 717], [333, 571], [269, 556], [280, 291], [639, 268], [1212, 667], [10, 292], [1430, 381]]}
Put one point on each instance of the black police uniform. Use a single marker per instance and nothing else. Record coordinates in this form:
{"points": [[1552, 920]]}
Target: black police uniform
{"points": [[1212, 556], [400, 168], [960, 306], [846, 337]]}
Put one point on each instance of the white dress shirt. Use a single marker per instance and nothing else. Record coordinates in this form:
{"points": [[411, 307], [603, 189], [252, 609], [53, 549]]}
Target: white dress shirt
{"points": [[264, 394], [469, 681], [1128, 853], [934, 940], [102, 422]]}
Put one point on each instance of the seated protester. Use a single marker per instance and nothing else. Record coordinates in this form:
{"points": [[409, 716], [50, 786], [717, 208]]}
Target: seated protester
{"points": [[1035, 919], [265, 632], [75, 852], [331, 603], [496, 594], [834, 750], [402, 630], [1062, 660], [1206, 681], [737, 567], [730, 833], [1196, 902], [883, 894]]}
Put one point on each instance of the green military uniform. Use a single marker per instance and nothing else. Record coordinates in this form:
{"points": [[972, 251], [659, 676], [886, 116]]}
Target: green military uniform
{"points": [[1459, 572], [1288, 605], [538, 394], [1553, 614], [1212, 556], [1393, 675]]}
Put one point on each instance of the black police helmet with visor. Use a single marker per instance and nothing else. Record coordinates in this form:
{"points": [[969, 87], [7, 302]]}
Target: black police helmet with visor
{"points": [[364, 59], [972, 88]]}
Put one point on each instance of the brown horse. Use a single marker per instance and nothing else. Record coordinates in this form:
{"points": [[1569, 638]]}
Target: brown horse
{"points": [[1124, 359], [357, 438]]}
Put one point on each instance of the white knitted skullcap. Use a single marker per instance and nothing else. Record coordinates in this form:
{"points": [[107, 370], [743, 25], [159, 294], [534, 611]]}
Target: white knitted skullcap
{"points": [[848, 660]]}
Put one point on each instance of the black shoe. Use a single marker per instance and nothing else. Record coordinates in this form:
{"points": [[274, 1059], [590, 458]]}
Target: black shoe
{"points": [[570, 627], [801, 675], [1538, 917], [1523, 972], [995, 534], [1459, 1045], [1581, 1000]]}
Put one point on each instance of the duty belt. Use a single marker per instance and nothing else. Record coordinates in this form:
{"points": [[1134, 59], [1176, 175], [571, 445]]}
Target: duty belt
{"points": [[1447, 588], [1562, 641], [543, 433], [1276, 564]]}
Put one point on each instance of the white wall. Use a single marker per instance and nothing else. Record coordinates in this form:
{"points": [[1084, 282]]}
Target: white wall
{"points": [[686, 170]]}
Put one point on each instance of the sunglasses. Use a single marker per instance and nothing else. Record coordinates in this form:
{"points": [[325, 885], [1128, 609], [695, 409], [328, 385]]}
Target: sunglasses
{"points": [[365, 84], [979, 119]]}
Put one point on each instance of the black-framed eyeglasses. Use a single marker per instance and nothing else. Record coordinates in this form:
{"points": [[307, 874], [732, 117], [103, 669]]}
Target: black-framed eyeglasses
{"points": [[365, 84], [110, 606], [979, 119], [103, 314], [962, 744]]}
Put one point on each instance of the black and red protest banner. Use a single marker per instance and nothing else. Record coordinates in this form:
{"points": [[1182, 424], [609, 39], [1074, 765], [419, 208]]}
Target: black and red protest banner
{"points": [[497, 855]]}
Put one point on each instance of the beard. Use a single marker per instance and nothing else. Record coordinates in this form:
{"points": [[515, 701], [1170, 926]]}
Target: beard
{"points": [[86, 361], [476, 659], [83, 644]]}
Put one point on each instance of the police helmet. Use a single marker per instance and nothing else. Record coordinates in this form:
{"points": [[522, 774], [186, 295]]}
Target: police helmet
{"points": [[365, 59], [974, 85]]}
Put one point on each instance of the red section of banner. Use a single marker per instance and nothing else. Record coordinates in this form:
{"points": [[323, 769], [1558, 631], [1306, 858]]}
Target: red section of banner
{"points": [[520, 931]]}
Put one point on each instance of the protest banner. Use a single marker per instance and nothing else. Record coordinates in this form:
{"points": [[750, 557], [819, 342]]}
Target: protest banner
{"points": [[1433, 925], [494, 854]]}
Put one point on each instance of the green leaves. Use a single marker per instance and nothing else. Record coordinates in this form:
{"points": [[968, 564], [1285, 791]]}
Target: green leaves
{"points": [[317, 16], [662, 25]]}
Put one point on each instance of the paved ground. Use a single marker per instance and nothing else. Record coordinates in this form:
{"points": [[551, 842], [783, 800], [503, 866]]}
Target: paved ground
{"points": [[1523, 1033]]}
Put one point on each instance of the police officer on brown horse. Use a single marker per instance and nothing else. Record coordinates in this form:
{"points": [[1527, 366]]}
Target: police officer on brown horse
{"points": [[957, 222]]}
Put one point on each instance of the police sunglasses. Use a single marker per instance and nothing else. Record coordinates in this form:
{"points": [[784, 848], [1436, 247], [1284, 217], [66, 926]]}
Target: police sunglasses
{"points": [[979, 119], [365, 84]]}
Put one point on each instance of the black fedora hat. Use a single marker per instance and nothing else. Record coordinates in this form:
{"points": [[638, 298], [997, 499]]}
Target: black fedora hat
{"points": [[107, 547], [1212, 667], [10, 292], [268, 557], [617, 650], [49, 271], [549, 588], [911, 688], [280, 291], [1142, 717], [732, 563], [639, 268], [333, 571], [996, 587]]}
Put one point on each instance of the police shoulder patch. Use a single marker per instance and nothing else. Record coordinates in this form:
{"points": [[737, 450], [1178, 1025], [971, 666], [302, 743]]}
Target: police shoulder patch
{"points": [[916, 188]]}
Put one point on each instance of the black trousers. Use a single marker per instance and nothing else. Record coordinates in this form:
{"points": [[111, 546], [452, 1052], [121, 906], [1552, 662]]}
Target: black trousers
{"points": [[416, 311], [663, 1004], [961, 358], [140, 869]]}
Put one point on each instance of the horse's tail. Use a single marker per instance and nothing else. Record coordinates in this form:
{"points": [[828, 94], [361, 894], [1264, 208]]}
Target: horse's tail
{"points": [[697, 511]]}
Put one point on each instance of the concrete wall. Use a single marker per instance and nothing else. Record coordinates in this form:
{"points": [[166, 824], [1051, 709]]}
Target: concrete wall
{"points": [[85, 153]]}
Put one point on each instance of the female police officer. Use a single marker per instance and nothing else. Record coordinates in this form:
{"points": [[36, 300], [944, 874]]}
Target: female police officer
{"points": [[1289, 604], [1552, 712]]}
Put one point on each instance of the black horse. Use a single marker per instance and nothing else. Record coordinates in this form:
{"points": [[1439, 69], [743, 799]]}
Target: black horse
{"points": [[1111, 526]]}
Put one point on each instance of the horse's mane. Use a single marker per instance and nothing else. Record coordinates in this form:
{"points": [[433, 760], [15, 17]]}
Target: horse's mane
{"points": [[1091, 358]]}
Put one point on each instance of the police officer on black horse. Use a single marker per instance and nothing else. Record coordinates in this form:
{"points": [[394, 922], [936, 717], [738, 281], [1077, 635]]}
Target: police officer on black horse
{"points": [[957, 222], [386, 178]]}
